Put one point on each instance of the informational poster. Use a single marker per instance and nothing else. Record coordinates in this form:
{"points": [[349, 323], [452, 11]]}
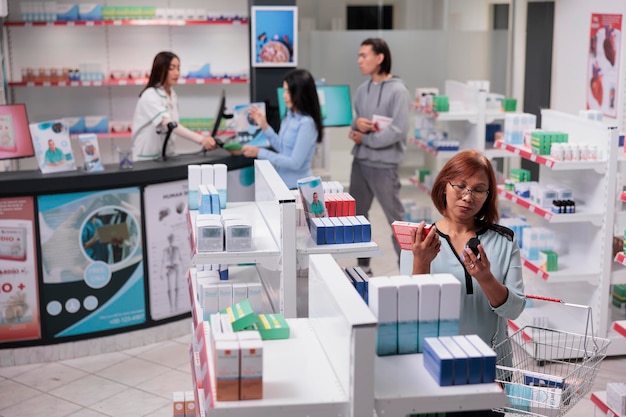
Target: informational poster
{"points": [[19, 300], [274, 36], [605, 44], [53, 147], [92, 261], [167, 248]]}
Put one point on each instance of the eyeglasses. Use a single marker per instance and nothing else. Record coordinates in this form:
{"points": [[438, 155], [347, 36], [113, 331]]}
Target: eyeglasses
{"points": [[461, 191]]}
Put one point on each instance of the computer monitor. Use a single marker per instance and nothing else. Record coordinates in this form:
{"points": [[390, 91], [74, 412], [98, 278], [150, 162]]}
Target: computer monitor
{"points": [[335, 103], [15, 139]]}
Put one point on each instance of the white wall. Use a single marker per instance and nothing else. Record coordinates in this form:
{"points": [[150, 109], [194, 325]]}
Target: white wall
{"points": [[571, 42]]}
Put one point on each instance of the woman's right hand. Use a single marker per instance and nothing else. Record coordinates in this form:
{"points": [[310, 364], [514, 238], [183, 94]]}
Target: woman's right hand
{"points": [[208, 143], [258, 116], [424, 249]]}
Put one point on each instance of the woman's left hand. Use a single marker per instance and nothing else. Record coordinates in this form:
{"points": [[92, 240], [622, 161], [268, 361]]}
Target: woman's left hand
{"points": [[477, 266], [250, 151]]}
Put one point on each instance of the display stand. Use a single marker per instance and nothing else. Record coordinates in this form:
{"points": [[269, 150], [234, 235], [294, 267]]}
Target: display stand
{"points": [[601, 408], [273, 218], [585, 260], [326, 366]]}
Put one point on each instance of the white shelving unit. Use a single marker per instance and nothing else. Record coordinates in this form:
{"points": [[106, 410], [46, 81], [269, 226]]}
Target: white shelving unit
{"points": [[326, 365], [585, 254], [466, 121], [273, 218], [128, 45], [601, 408]]}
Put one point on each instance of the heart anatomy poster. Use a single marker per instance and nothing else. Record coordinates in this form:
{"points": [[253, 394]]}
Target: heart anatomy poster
{"points": [[605, 44]]}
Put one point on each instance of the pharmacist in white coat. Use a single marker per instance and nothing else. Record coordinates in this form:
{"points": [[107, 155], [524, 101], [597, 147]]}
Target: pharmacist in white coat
{"points": [[157, 111]]}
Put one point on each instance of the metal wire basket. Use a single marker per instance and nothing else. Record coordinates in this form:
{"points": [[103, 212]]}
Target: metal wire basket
{"points": [[544, 372]]}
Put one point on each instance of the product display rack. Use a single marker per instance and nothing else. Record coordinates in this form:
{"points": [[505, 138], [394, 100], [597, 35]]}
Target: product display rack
{"points": [[601, 408], [121, 46], [272, 216], [585, 254], [466, 122]]}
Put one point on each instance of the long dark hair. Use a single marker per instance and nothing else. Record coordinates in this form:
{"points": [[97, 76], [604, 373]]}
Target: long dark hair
{"points": [[304, 97], [379, 46], [160, 68]]}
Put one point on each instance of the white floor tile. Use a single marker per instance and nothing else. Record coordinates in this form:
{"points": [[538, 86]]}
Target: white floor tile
{"points": [[88, 390], [164, 385], [170, 354], [131, 402], [95, 363], [12, 393], [41, 405], [49, 376], [133, 371]]}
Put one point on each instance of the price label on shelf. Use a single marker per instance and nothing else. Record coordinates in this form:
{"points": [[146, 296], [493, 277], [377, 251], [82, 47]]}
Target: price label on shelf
{"points": [[200, 81], [89, 23], [122, 82], [516, 151], [547, 216], [226, 81], [46, 84], [117, 23], [533, 157]]}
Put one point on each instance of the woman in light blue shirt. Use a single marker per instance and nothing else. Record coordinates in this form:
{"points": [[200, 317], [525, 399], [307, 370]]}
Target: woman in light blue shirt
{"points": [[465, 194], [301, 129]]}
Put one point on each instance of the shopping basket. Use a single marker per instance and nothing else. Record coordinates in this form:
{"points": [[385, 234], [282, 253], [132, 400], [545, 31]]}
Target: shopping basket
{"points": [[544, 372]]}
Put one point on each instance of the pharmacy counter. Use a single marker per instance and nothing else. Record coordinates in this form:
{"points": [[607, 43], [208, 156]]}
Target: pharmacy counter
{"points": [[98, 255]]}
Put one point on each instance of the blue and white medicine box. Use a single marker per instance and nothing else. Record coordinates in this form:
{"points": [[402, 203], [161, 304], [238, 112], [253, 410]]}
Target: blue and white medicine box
{"points": [[206, 174], [238, 235], [96, 124], [488, 356], [428, 308], [318, 230], [67, 12], [366, 229], [338, 226], [474, 360], [329, 229], [383, 302], [216, 198], [348, 230], [438, 361], [461, 360], [76, 124], [194, 179], [449, 304], [90, 11], [209, 233], [408, 301], [220, 180], [357, 228], [204, 200]]}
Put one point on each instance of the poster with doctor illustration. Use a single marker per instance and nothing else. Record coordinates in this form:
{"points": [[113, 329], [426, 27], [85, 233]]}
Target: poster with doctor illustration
{"points": [[605, 44]]}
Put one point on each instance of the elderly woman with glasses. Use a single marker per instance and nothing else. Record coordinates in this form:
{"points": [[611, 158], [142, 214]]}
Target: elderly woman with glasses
{"points": [[493, 290]]}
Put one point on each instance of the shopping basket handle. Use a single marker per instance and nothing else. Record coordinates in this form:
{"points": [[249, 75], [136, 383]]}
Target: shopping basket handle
{"points": [[541, 297]]}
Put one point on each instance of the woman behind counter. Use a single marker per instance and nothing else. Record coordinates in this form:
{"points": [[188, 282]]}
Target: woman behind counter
{"points": [[300, 130], [157, 111]]}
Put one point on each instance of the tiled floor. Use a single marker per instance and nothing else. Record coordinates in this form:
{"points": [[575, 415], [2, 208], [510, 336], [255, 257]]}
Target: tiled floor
{"points": [[140, 381]]}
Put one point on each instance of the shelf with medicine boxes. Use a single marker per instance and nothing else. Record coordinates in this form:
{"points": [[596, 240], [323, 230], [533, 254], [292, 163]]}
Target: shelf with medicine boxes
{"points": [[327, 362], [582, 242], [598, 399], [107, 63], [471, 109], [272, 217]]}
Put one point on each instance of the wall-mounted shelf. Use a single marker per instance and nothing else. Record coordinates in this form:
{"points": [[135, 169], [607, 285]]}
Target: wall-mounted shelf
{"points": [[127, 82], [581, 215], [620, 327], [526, 153], [132, 22]]}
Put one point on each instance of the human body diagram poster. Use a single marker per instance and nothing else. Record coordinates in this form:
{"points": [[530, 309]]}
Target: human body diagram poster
{"points": [[605, 45], [167, 248]]}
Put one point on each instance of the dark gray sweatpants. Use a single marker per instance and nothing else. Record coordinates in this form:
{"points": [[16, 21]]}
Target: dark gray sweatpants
{"points": [[367, 183]]}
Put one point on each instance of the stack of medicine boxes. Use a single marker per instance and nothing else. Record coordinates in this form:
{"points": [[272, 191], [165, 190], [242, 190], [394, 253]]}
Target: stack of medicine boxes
{"points": [[420, 313]]}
